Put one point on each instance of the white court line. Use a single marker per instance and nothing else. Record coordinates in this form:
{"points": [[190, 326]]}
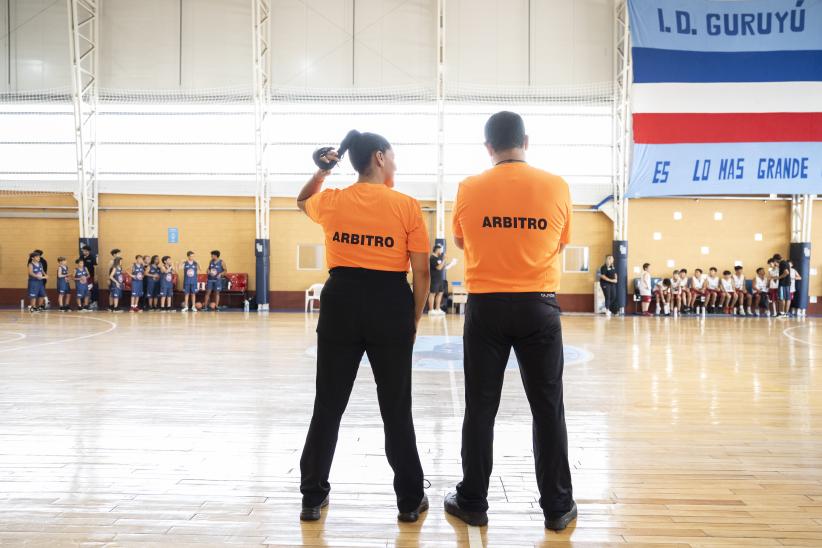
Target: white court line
{"points": [[474, 537], [785, 332], [19, 337], [456, 409], [71, 339]]}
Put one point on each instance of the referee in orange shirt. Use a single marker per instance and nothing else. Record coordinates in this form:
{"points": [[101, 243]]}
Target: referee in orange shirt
{"points": [[372, 235], [513, 221]]}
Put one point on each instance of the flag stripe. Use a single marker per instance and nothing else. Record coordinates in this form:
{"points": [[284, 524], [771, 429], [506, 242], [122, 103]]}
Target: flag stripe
{"points": [[651, 65], [671, 128], [728, 97]]}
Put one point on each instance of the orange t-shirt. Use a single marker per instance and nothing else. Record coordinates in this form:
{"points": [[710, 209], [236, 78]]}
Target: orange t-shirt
{"points": [[513, 219], [369, 226]]}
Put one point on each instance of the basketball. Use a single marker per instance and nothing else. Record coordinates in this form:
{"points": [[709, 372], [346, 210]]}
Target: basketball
{"points": [[213, 306], [198, 306]]}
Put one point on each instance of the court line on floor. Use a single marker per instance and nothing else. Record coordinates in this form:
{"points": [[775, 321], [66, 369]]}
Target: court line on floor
{"points": [[112, 327], [474, 537], [19, 337], [797, 339]]}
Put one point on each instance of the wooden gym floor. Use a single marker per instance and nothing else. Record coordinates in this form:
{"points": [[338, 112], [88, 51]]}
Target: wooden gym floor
{"points": [[187, 429]]}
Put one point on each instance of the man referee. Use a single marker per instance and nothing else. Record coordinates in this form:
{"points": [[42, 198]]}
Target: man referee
{"points": [[513, 222]]}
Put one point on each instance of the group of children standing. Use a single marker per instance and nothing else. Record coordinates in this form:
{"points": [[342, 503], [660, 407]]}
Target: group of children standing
{"points": [[152, 282], [771, 292]]}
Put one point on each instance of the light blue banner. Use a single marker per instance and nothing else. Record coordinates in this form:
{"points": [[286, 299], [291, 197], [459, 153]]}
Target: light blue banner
{"points": [[726, 168], [709, 25]]}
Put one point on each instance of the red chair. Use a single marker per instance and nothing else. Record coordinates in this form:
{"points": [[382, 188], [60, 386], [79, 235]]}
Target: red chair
{"points": [[126, 281], [237, 282], [201, 281]]}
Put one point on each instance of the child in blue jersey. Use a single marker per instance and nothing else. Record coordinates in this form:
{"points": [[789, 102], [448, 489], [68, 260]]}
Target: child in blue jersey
{"points": [[63, 287], [36, 288], [115, 277], [138, 273], [81, 279], [153, 282], [216, 276], [190, 268], [166, 284]]}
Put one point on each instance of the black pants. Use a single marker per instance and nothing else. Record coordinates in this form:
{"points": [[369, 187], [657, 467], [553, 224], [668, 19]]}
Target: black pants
{"points": [[610, 292], [528, 322], [371, 312]]}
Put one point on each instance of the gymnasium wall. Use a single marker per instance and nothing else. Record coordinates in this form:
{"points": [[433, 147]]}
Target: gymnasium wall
{"points": [[733, 238], [816, 257], [139, 224], [191, 44], [19, 236], [227, 223]]}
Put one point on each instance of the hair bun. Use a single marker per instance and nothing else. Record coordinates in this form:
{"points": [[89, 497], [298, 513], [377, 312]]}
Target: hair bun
{"points": [[321, 163]]}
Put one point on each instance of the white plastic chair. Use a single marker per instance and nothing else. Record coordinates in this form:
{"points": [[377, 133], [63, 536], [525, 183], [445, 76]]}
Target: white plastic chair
{"points": [[312, 294]]}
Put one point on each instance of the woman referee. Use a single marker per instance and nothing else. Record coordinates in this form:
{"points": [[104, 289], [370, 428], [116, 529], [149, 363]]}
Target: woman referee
{"points": [[372, 233]]}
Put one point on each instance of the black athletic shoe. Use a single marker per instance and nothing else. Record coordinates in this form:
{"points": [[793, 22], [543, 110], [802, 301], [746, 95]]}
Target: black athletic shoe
{"points": [[414, 515], [452, 507], [313, 513], [557, 521]]}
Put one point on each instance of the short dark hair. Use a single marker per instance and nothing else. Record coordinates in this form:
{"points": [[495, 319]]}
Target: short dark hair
{"points": [[697, 270], [437, 246], [189, 253], [165, 258], [726, 273], [85, 248], [645, 266], [138, 257], [714, 269], [39, 251], [115, 251], [78, 261], [505, 130], [777, 257], [685, 270], [760, 269], [738, 267], [60, 259], [216, 252]]}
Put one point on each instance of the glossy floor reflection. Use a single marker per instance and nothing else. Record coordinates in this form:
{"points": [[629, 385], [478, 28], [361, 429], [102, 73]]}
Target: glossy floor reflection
{"points": [[187, 429]]}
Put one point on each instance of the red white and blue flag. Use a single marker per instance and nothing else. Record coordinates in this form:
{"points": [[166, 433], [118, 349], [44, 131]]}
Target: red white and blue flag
{"points": [[726, 97]]}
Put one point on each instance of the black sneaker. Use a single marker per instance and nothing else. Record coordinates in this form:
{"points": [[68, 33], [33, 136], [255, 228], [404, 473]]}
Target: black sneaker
{"points": [[557, 521], [414, 515], [313, 513], [32, 309], [478, 519]]}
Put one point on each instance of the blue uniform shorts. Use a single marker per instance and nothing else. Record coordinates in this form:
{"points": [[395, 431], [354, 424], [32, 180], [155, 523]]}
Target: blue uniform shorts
{"points": [[214, 284], [166, 289], [82, 290], [36, 288], [190, 287], [152, 288], [116, 292], [63, 287], [136, 287], [784, 293]]}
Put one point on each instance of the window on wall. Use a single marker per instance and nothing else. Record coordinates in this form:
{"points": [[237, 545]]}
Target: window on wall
{"points": [[575, 259], [310, 256]]}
